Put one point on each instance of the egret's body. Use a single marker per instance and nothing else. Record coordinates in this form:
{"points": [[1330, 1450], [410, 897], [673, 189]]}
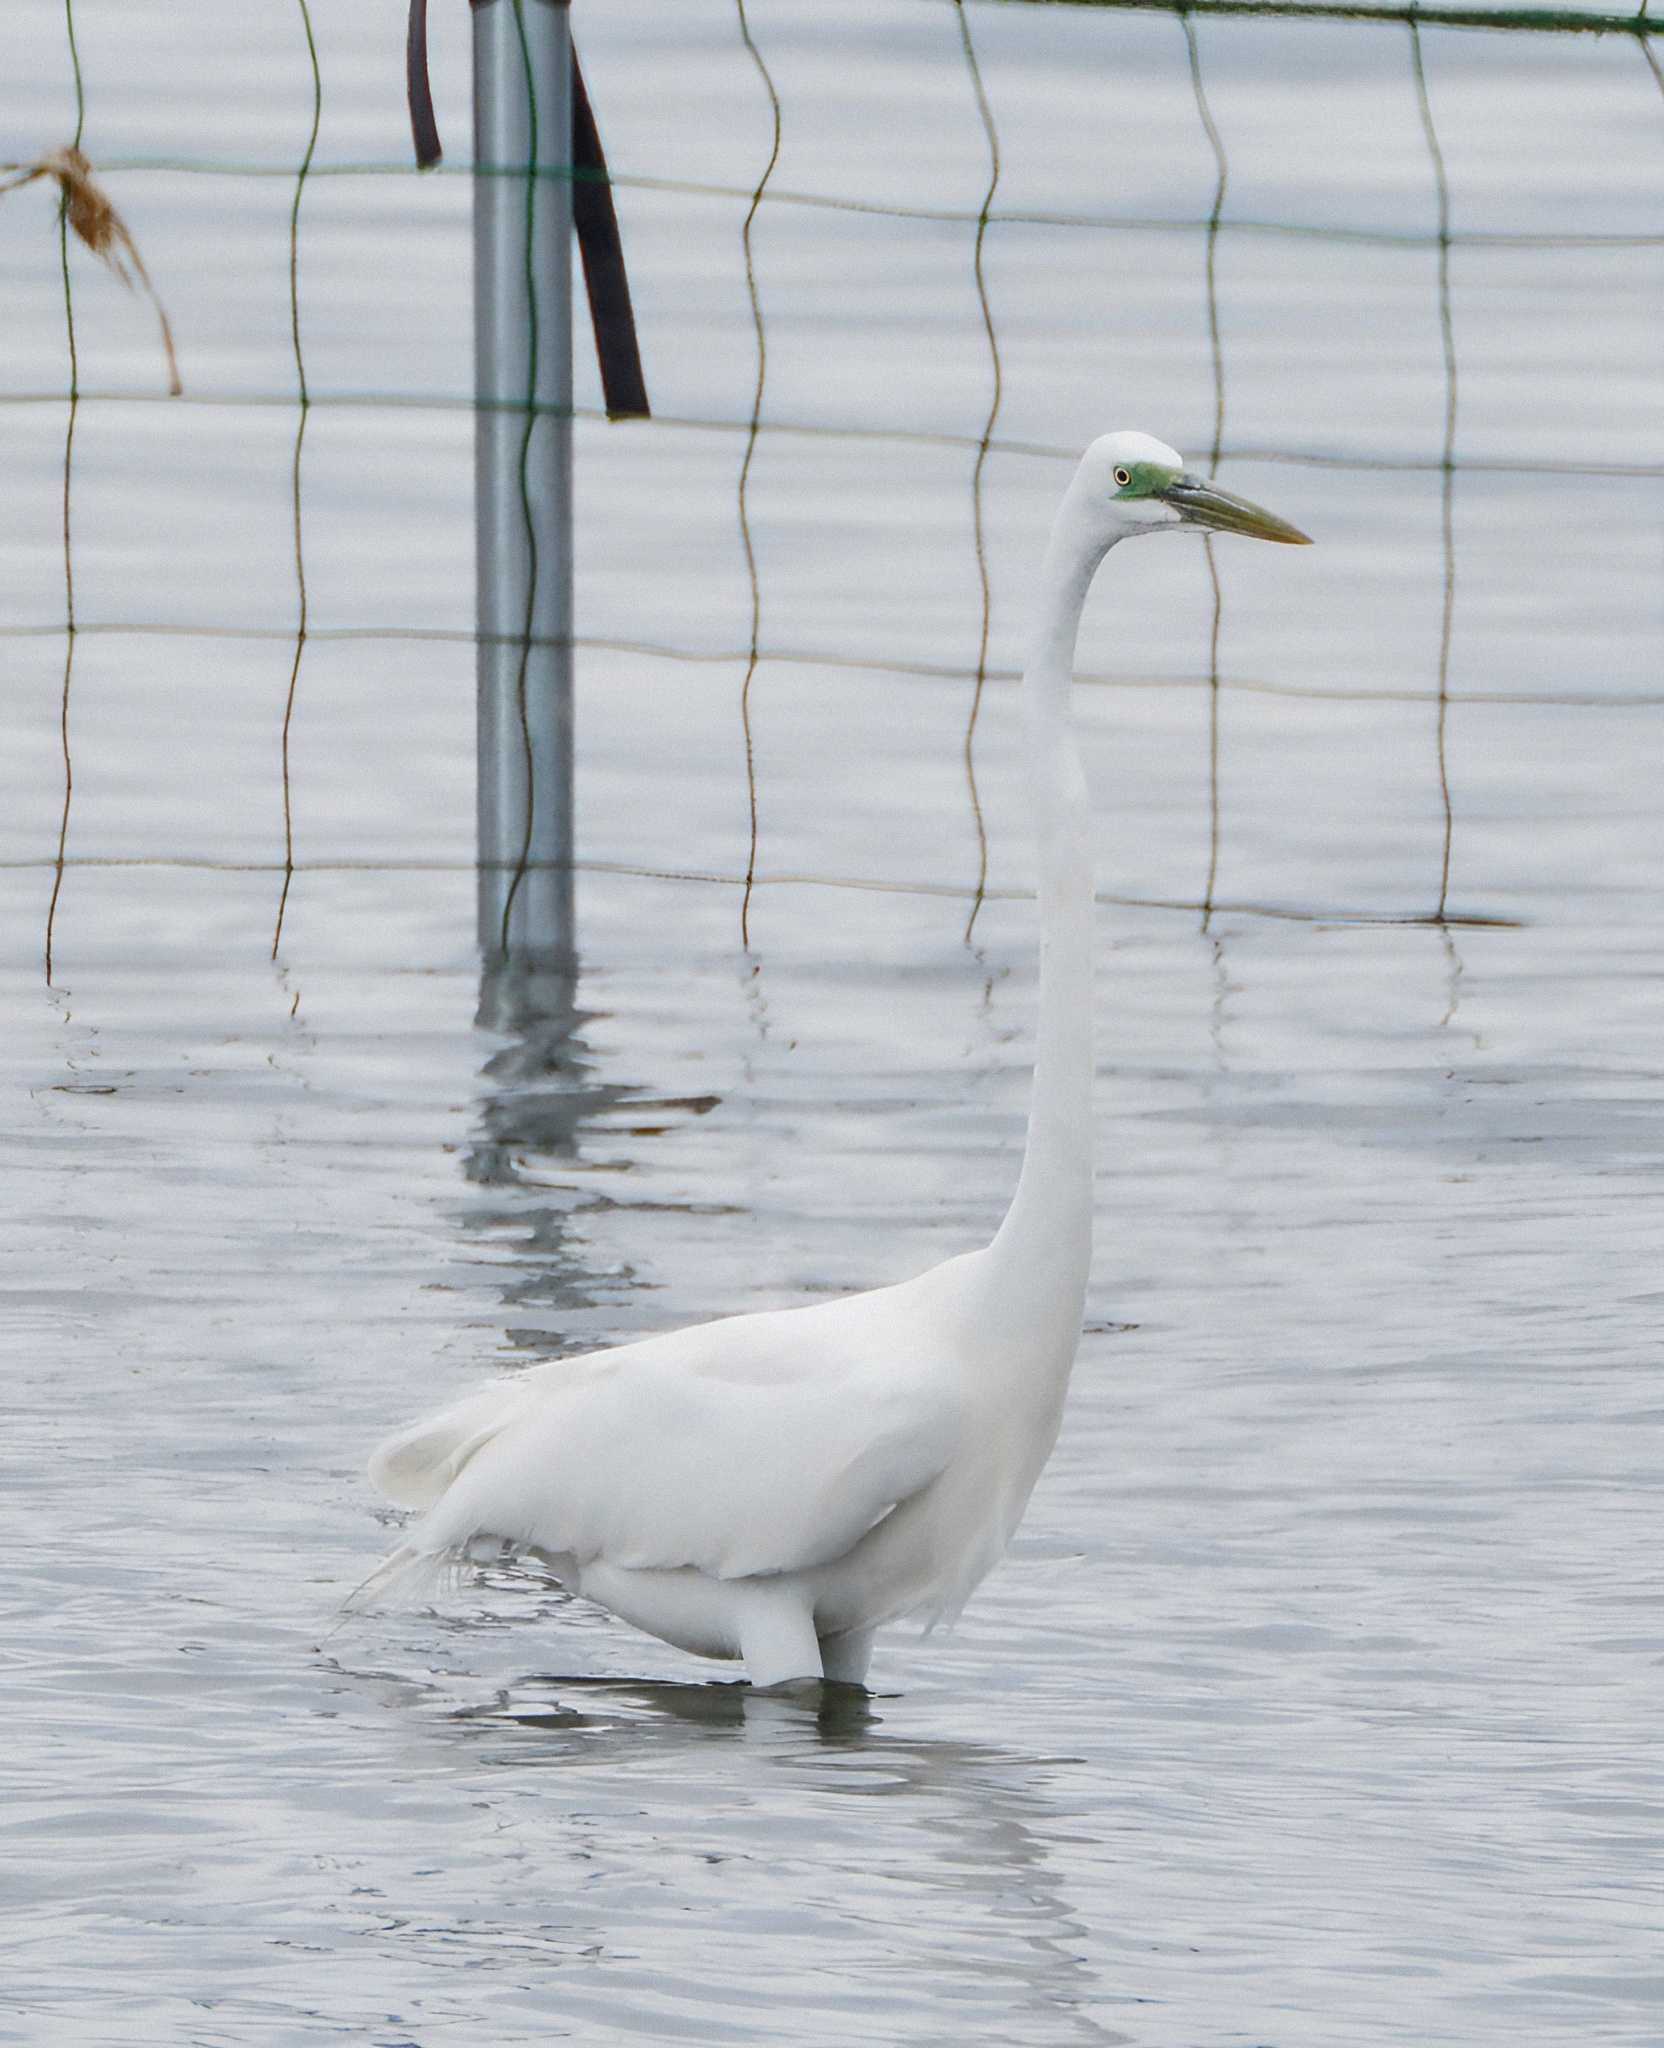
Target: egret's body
{"points": [[776, 1486]]}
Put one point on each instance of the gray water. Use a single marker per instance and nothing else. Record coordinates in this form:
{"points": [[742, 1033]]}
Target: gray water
{"points": [[1318, 1700]]}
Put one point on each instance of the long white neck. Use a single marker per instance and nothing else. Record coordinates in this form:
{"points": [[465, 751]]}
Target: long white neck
{"points": [[1044, 1247]]}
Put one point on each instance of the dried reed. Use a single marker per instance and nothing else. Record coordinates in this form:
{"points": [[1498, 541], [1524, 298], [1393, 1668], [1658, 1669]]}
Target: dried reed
{"points": [[90, 212]]}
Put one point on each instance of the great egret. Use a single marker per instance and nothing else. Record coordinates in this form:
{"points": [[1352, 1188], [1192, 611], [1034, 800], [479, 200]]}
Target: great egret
{"points": [[775, 1486]]}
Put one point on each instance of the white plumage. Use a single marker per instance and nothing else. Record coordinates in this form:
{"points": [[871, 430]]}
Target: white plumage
{"points": [[776, 1486]]}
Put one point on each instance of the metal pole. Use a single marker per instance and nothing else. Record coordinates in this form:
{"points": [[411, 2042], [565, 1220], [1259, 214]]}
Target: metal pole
{"points": [[523, 477]]}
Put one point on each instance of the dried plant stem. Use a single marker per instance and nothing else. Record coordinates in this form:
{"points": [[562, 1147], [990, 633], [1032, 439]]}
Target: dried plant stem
{"points": [[89, 212]]}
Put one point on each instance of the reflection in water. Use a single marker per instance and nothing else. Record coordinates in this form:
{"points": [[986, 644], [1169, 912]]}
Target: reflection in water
{"points": [[971, 1813], [1231, 1193], [944, 1850], [537, 1091], [1455, 969], [605, 1706]]}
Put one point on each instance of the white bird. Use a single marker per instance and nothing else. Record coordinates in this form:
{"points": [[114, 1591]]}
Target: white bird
{"points": [[776, 1486]]}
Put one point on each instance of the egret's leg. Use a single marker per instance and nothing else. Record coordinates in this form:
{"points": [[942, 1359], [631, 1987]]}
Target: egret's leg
{"points": [[846, 1657], [777, 1636]]}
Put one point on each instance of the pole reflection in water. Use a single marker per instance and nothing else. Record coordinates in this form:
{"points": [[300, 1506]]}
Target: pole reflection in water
{"points": [[538, 1090], [540, 1094]]}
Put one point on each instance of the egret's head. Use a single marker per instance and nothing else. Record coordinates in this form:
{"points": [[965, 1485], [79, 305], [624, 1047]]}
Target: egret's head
{"points": [[1130, 483]]}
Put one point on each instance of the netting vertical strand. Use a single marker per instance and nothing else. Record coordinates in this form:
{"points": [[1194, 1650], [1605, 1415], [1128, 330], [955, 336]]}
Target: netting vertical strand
{"points": [[1648, 53], [1217, 356], [69, 462], [753, 426], [1447, 462], [523, 476], [985, 114], [303, 409]]}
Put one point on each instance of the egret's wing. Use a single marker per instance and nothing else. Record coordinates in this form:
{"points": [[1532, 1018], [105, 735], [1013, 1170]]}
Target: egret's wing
{"points": [[679, 1451]]}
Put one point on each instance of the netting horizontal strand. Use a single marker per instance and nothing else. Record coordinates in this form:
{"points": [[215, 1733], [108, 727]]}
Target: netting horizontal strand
{"points": [[1535, 20], [913, 437], [845, 663], [949, 216], [867, 885]]}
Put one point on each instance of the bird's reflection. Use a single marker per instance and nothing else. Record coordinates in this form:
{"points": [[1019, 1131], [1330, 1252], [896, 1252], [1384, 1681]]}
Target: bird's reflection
{"points": [[817, 1709], [976, 1814], [969, 1819]]}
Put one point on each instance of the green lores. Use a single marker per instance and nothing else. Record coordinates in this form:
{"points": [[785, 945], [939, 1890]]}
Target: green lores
{"points": [[1199, 502], [1144, 479]]}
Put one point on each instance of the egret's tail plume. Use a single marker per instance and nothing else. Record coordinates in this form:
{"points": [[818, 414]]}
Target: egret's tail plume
{"points": [[415, 1467], [409, 1578]]}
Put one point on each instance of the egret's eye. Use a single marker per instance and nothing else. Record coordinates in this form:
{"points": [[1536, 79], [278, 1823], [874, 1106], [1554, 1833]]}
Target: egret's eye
{"points": [[1123, 477]]}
